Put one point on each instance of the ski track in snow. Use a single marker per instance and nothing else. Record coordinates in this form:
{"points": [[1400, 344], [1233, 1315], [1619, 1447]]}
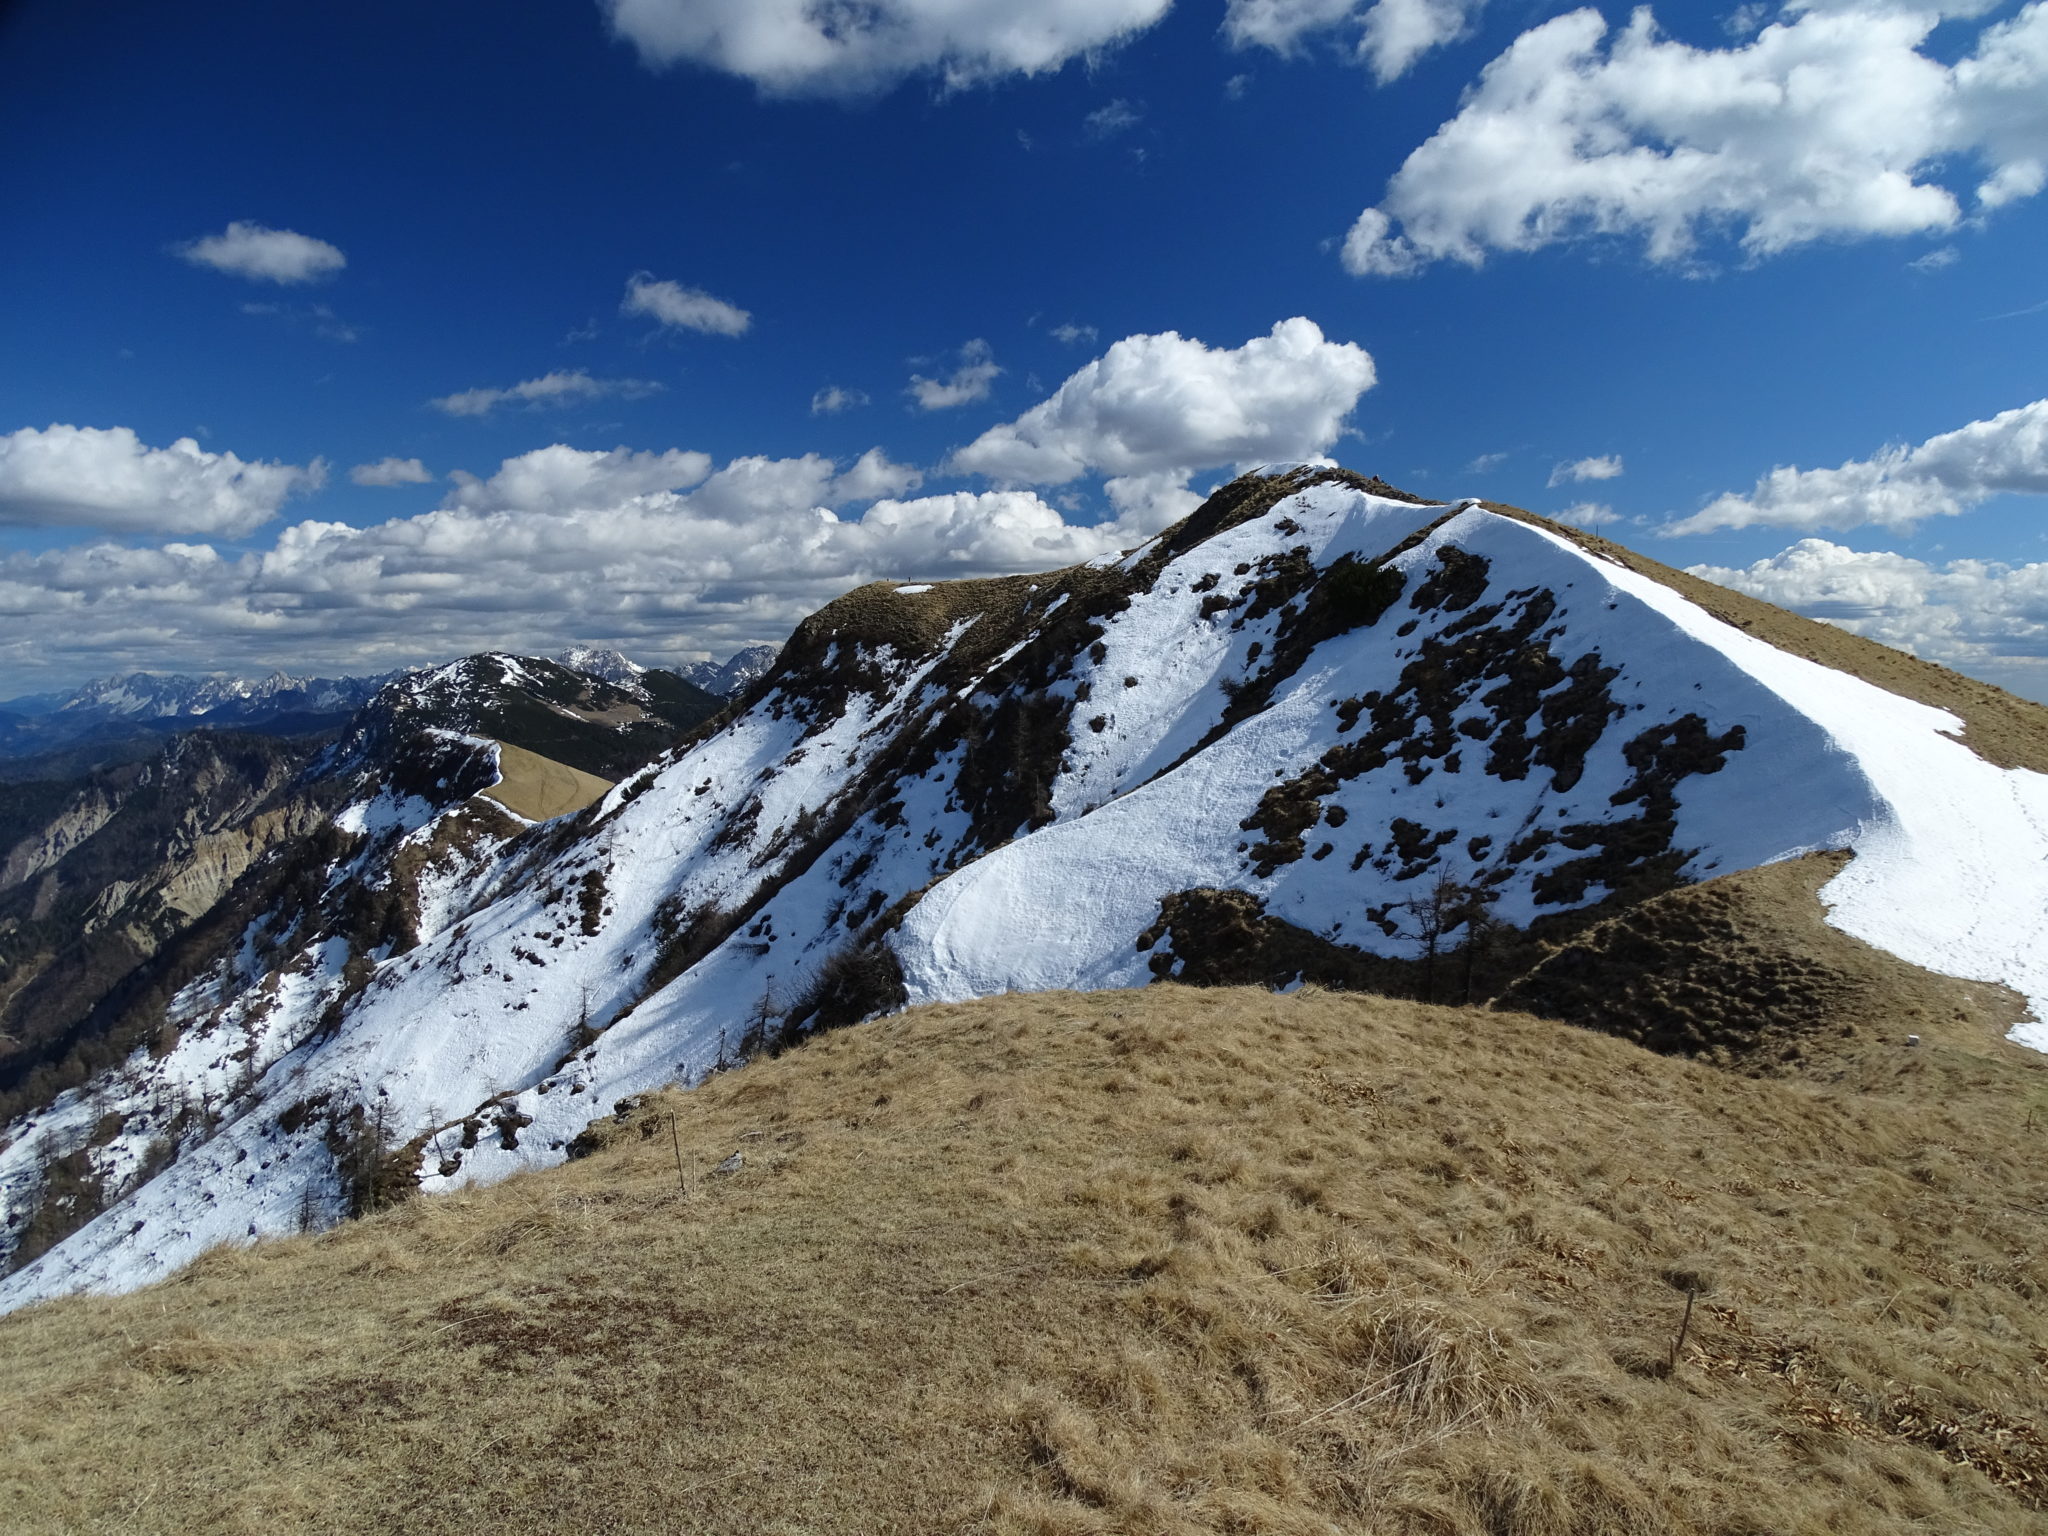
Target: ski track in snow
{"points": [[1951, 872]]}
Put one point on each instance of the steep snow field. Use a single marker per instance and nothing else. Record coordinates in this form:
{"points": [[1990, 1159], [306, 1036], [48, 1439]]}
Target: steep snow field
{"points": [[1400, 746]]}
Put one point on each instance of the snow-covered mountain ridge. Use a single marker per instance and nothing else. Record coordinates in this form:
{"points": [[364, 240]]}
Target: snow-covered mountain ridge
{"points": [[1317, 697]]}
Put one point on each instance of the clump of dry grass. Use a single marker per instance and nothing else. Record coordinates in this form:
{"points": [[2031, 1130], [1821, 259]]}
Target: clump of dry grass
{"points": [[1167, 1262]]}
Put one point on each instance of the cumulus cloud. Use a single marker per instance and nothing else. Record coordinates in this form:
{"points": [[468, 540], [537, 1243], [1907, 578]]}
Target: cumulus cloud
{"points": [[1829, 124], [1975, 615], [831, 400], [93, 477], [265, 255], [562, 387], [966, 384], [799, 47], [659, 553], [1607, 468], [1392, 34], [560, 479], [389, 472], [1154, 409], [1588, 514], [1898, 486], [1071, 335], [688, 309], [873, 476]]}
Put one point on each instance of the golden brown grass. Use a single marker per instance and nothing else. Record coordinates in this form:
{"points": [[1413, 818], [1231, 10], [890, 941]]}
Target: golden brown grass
{"points": [[1164, 1262], [539, 788]]}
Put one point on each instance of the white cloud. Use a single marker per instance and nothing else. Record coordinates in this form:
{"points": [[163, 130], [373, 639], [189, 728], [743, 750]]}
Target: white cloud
{"points": [[966, 384], [1607, 468], [1588, 514], [562, 387], [801, 47], [689, 309], [1072, 335], [92, 477], [1392, 34], [1398, 32], [1831, 124], [1898, 486], [266, 255], [389, 472], [560, 479], [1108, 121], [1153, 410], [1486, 463], [873, 476], [1936, 259], [653, 552], [1974, 615], [831, 400]]}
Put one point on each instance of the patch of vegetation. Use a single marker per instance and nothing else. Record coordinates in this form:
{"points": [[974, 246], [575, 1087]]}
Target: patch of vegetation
{"points": [[1011, 756], [1636, 857], [372, 1172], [854, 984], [1285, 813], [590, 898], [1744, 970], [683, 935]]}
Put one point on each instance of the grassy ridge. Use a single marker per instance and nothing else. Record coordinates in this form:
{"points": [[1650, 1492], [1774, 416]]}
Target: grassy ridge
{"points": [[1170, 1261], [539, 788]]}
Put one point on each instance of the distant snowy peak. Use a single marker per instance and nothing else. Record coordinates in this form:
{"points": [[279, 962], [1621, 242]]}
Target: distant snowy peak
{"points": [[156, 696], [731, 676], [599, 661]]}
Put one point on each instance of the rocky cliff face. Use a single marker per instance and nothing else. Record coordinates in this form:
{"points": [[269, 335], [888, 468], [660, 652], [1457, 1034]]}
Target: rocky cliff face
{"points": [[1320, 730]]}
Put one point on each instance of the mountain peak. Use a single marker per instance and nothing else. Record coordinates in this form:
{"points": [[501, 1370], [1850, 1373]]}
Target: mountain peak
{"points": [[1320, 730], [600, 661]]}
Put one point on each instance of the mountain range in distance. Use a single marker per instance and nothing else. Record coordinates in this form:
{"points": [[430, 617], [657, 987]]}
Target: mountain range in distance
{"points": [[126, 716], [1320, 731]]}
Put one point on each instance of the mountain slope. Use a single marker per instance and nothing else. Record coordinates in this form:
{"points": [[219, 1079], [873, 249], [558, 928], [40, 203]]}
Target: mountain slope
{"points": [[1173, 1261], [1399, 741], [98, 875], [593, 724]]}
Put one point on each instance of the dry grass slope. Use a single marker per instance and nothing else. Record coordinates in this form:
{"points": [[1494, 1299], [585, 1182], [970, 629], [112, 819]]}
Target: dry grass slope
{"points": [[1744, 971], [1175, 1261], [539, 788]]}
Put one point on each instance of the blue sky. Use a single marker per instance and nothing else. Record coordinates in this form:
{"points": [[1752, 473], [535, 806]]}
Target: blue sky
{"points": [[656, 280]]}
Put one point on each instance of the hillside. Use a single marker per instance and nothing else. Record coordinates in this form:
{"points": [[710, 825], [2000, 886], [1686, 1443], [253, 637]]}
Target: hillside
{"points": [[1170, 1261], [1320, 731]]}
